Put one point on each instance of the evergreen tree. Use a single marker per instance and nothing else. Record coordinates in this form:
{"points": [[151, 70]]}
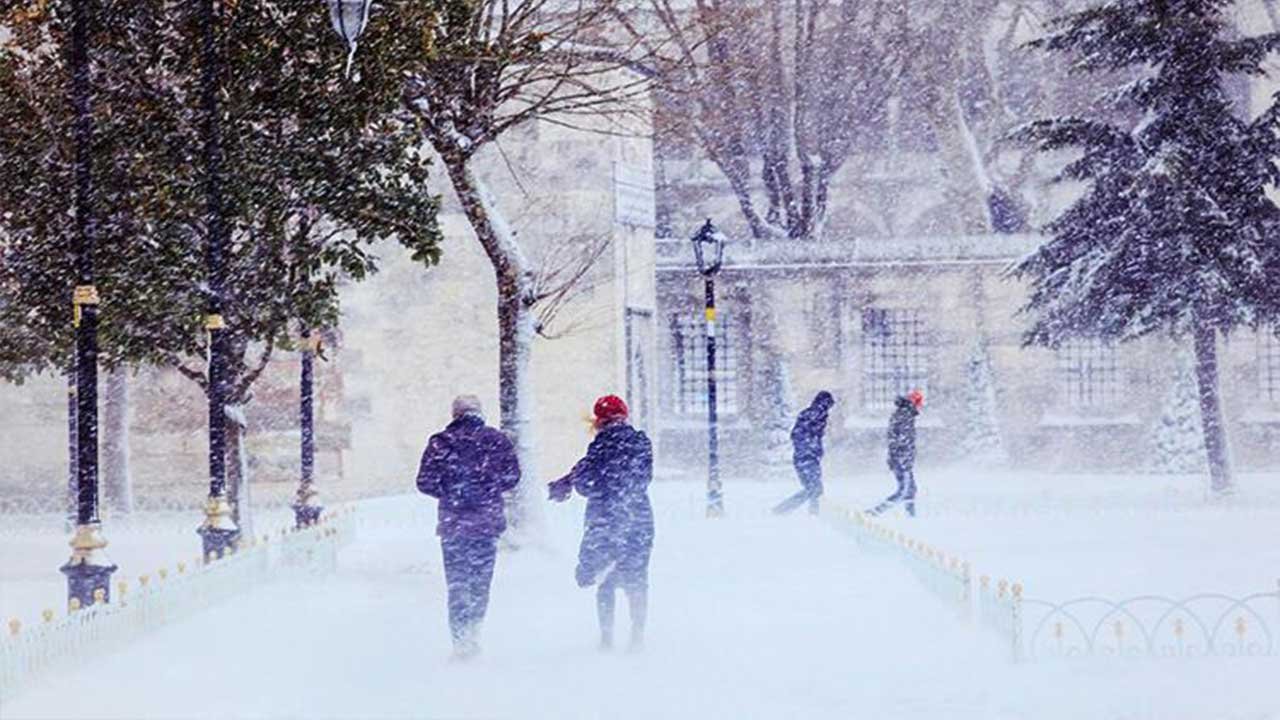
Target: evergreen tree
{"points": [[1174, 231], [314, 169], [1179, 441], [982, 444]]}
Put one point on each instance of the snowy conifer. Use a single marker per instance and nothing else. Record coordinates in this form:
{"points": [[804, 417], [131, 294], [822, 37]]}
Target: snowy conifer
{"points": [[982, 444], [1179, 441], [1173, 232]]}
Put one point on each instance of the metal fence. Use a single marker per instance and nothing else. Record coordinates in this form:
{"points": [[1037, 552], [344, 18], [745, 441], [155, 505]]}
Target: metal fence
{"points": [[28, 651], [1031, 628], [1202, 625]]}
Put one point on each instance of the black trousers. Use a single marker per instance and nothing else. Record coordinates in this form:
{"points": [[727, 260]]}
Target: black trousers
{"points": [[906, 478], [906, 492], [468, 573], [810, 475]]}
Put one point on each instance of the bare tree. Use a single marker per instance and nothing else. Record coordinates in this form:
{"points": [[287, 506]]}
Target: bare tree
{"points": [[778, 95], [487, 67]]}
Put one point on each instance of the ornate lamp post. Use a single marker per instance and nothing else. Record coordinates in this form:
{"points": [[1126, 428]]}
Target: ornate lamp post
{"points": [[708, 249], [219, 531], [305, 510], [349, 18], [88, 571]]}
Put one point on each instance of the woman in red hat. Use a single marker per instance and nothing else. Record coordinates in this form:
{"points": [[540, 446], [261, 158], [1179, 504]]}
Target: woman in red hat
{"points": [[902, 451], [618, 536]]}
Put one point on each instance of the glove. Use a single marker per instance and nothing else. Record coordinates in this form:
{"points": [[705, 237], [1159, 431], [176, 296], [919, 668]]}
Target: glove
{"points": [[561, 489]]}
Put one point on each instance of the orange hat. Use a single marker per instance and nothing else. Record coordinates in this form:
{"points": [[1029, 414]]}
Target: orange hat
{"points": [[610, 407], [916, 398]]}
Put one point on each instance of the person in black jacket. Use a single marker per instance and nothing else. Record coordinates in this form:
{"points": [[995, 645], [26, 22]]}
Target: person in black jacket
{"points": [[468, 467], [806, 443], [902, 451], [614, 477]]}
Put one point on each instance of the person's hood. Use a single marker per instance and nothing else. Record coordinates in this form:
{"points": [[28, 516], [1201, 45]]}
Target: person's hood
{"points": [[903, 403], [469, 421]]}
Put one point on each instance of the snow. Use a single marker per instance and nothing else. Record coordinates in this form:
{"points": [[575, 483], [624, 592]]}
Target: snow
{"points": [[751, 616]]}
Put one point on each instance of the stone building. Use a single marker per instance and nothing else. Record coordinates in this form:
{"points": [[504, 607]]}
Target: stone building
{"points": [[870, 319]]}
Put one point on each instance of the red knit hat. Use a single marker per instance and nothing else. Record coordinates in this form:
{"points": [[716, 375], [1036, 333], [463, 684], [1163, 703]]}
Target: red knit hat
{"points": [[917, 398], [610, 407]]}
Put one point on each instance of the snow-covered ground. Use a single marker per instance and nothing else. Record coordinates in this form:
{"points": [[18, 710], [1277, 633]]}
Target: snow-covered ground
{"points": [[752, 616], [32, 549], [1065, 536]]}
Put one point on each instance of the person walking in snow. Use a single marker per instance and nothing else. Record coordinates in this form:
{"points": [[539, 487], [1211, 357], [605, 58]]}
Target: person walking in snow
{"points": [[902, 451], [614, 477], [806, 443], [467, 468]]}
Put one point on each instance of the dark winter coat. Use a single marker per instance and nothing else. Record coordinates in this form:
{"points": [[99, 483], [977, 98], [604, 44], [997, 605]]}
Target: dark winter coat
{"points": [[902, 434], [467, 468], [806, 434], [614, 477]]}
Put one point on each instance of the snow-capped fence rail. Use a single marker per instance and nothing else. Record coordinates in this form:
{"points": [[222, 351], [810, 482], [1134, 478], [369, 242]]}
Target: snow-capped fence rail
{"points": [[30, 651], [1203, 625], [948, 577]]}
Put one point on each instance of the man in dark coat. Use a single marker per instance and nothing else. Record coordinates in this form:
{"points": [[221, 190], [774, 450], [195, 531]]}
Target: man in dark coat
{"points": [[902, 451], [806, 443], [614, 477], [468, 467]]}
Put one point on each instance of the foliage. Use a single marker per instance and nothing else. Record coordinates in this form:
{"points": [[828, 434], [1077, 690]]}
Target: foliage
{"points": [[314, 169], [1175, 229]]}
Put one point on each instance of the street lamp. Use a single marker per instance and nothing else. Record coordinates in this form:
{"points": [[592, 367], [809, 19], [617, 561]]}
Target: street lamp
{"points": [[305, 510], [88, 570], [219, 531], [708, 249], [349, 18]]}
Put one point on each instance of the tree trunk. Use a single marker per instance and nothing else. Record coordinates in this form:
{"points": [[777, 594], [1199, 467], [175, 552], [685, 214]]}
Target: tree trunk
{"points": [[238, 470], [515, 337], [515, 332], [1215, 428], [116, 476]]}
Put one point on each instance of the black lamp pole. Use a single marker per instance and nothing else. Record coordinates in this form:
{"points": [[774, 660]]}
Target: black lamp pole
{"points": [[708, 249], [88, 571], [715, 496], [219, 531]]}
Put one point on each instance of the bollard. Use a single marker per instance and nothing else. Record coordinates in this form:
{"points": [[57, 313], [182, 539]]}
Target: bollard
{"points": [[1016, 616]]}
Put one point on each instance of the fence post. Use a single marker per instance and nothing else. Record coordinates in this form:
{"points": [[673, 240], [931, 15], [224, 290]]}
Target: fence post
{"points": [[1016, 606]]}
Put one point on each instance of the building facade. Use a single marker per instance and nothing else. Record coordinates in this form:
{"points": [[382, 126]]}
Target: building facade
{"points": [[870, 320]]}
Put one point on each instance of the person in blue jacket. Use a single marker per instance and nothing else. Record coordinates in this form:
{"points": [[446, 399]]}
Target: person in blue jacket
{"points": [[806, 443], [468, 467], [901, 441], [614, 477]]}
